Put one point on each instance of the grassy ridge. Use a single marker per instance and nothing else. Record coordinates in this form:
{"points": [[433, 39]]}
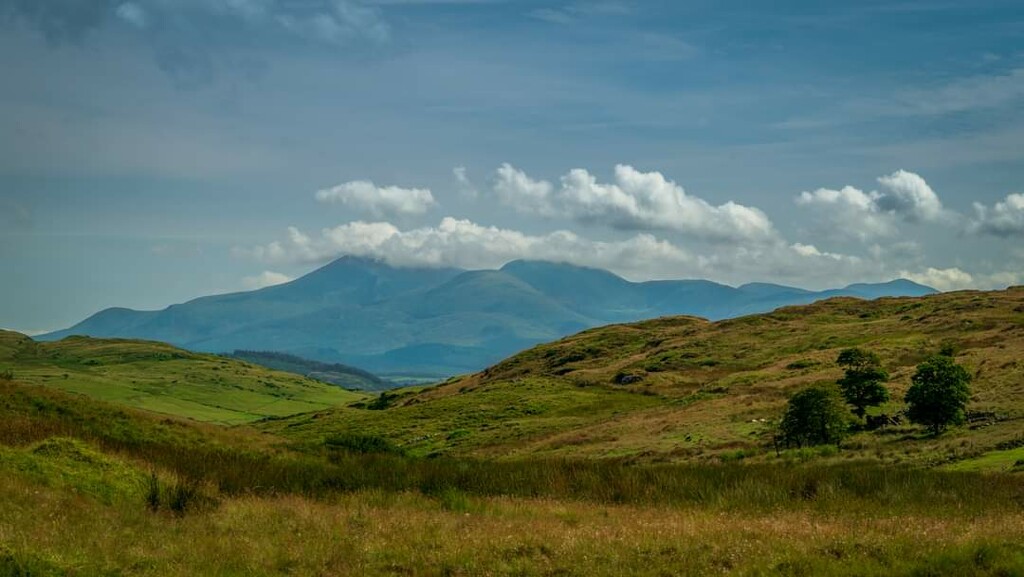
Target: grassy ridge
{"points": [[164, 379], [683, 388]]}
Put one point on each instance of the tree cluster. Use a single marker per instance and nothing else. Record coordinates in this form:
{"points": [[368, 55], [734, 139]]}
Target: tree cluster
{"points": [[937, 398]]}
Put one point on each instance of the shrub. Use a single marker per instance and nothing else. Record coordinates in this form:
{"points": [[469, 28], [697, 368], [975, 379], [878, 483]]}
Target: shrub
{"points": [[383, 401], [7, 375], [153, 493], [362, 444]]}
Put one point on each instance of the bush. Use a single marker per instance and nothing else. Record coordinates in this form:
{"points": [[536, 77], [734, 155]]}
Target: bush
{"points": [[362, 444], [383, 401], [153, 493], [815, 416], [7, 375]]}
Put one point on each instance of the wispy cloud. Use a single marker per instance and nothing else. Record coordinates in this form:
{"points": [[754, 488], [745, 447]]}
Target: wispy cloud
{"points": [[265, 279], [191, 40], [569, 13]]}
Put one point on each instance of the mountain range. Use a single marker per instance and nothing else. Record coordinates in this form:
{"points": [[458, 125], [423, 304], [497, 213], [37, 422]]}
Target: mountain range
{"points": [[440, 321]]}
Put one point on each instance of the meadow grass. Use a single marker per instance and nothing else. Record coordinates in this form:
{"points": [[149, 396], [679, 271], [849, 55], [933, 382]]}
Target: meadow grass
{"points": [[75, 501], [386, 533]]}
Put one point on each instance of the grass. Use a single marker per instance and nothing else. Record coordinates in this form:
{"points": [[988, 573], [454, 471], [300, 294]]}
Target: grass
{"points": [[75, 486], [701, 392], [1005, 460], [163, 379], [374, 533], [498, 417]]}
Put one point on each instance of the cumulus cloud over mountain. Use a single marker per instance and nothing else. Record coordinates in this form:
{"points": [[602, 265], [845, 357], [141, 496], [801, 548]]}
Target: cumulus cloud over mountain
{"points": [[635, 200]]}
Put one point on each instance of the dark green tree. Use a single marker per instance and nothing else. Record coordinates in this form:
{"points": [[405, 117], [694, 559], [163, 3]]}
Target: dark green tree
{"points": [[863, 384], [938, 393], [815, 416]]}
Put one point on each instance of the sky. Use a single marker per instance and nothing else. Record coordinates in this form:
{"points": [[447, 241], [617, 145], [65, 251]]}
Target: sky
{"points": [[154, 151]]}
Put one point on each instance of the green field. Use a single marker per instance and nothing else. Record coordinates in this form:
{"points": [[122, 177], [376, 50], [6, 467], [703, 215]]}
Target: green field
{"points": [[164, 379]]}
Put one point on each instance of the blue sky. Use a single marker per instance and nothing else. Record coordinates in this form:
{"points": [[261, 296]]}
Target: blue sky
{"points": [[154, 151]]}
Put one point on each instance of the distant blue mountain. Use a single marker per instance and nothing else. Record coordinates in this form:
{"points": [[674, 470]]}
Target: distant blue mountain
{"points": [[440, 321]]}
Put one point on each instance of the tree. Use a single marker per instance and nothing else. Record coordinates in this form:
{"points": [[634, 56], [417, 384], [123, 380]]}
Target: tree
{"points": [[815, 416], [938, 393], [862, 385]]}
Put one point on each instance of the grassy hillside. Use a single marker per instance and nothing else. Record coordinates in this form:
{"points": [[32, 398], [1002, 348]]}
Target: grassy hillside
{"points": [[699, 390], [89, 488], [336, 374], [164, 379]]}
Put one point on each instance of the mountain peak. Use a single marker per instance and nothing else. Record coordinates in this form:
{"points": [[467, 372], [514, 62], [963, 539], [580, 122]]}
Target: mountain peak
{"points": [[902, 286]]}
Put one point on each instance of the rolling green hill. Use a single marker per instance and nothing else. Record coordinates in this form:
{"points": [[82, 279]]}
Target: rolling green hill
{"points": [[683, 388], [164, 379]]}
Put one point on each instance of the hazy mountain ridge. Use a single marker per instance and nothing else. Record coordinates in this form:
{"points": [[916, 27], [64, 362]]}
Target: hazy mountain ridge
{"points": [[439, 320]]}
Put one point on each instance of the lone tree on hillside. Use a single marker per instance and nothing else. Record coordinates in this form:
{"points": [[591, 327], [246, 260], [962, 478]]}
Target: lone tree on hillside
{"points": [[862, 385], [938, 393], [815, 416]]}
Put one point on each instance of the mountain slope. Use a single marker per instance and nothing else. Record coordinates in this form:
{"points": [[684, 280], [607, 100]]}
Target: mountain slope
{"points": [[164, 379], [438, 321], [686, 388]]}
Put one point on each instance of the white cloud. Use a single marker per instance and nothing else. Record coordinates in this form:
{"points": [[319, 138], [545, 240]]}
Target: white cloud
{"points": [[462, 243], [809, 250], [634, 201], [850, 212], [465, 244], [521, 192], [853, 213], [265, 279], [379, 200], [957, 279], [945, 279], [910, 197], [1004, 219]]}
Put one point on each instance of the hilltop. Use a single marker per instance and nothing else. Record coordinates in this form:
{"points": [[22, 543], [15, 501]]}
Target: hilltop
{"points": [[164, 379], [685, 388], [439, 321]]}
